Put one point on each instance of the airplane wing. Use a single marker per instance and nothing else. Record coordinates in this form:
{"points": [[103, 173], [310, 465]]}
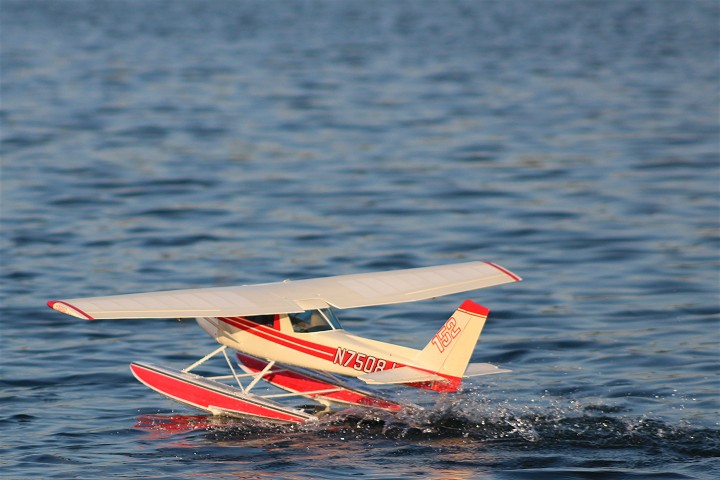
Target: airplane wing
{"points": [[343, 291]]}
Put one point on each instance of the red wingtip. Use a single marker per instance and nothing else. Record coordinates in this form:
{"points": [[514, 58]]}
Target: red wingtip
{"points": [[472, 307], [505, 271], [68, 309]]}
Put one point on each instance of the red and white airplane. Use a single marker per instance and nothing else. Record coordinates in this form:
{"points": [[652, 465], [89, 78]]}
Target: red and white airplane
{"points": [[286, 334]]}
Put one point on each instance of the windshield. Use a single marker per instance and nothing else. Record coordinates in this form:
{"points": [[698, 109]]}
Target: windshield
{"points": [[314, 321]]}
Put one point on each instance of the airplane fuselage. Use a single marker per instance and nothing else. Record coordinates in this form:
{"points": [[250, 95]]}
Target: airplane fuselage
{"points": [[333, 350]]}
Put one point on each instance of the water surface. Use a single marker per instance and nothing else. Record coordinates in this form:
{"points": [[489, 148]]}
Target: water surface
{"points": [[158, 145]]}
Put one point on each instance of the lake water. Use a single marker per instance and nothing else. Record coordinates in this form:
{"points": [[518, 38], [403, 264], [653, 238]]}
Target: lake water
{"points": [[152, 145]]}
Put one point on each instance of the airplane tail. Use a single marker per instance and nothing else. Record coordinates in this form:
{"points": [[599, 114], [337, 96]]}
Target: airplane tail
{"points": [[449, 351], [444, 361]]}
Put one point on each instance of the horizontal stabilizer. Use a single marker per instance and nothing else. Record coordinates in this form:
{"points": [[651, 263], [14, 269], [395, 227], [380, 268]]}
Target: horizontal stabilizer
{"points": [[399, 375], [477, 369]]}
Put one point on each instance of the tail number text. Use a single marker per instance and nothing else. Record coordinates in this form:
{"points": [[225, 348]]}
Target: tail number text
{"points": [[445, 336]]}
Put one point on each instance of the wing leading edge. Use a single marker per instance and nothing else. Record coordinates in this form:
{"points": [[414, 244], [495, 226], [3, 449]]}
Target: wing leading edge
{"points": [[342, 291]]}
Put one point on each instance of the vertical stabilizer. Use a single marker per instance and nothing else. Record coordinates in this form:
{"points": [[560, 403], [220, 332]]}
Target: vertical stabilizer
{"points": [[449, 351]]}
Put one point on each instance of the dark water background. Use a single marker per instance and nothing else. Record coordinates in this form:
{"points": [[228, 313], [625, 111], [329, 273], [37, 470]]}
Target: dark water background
{"points": [[152, 145]]}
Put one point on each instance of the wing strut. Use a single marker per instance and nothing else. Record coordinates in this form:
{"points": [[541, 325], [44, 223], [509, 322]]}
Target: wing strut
{"points": [[204, 359]]}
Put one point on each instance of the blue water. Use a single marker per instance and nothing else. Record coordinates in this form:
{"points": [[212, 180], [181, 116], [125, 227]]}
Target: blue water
{"points": [[150, 145]]}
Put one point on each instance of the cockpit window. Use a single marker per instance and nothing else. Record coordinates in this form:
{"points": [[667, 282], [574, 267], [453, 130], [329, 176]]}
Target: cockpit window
{"points": [[314, 321]]}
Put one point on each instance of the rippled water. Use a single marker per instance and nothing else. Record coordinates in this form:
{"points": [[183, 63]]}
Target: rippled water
{"points": [[158, 145]]}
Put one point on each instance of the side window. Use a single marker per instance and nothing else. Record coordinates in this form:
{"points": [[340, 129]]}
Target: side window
{"points": [[267, 320], [309, 321]]}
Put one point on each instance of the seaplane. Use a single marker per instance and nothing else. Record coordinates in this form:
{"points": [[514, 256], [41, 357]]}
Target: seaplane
{"points": [[288, 335]]}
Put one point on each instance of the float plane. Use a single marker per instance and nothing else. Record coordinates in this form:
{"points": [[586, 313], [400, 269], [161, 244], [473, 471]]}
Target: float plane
{"points": [[287, 334]]}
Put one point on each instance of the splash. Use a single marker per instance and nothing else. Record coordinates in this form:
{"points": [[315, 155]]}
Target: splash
{"points": [[546, 424]]}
